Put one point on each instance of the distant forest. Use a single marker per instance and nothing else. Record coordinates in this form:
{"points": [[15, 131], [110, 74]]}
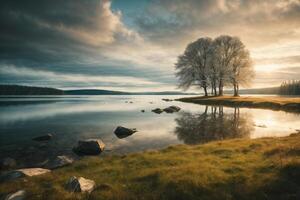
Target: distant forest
{"points": [[286, 88], [290, 88], [28, 90]]}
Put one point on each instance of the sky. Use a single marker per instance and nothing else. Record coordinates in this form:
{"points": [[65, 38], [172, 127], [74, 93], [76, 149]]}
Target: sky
{"points": [[132, 45]]}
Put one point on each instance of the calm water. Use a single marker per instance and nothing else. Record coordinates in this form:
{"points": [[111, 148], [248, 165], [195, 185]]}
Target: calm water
{"points": [[71, 118]]}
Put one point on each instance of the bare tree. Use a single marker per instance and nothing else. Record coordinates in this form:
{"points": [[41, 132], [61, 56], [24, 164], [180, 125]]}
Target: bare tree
{"points": [[233, 62], [193, 66], [242, 71], [221, 59], [216, 63]]}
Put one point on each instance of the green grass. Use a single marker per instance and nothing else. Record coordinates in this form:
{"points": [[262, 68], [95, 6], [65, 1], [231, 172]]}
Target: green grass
{"points": [[291, 104], [266, 168]]}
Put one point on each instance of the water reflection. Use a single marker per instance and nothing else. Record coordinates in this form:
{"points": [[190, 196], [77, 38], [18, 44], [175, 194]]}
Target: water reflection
{"points": [[72, 119], [213, 124]]}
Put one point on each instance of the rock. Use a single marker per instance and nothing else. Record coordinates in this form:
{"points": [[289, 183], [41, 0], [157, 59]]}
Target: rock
{"points": [[261, 125], [59, 161], [19, 173], [8, 163], [122, 132], [169, 110], [89, 147], [33, 171], [172, 109], [19, 195], [43, 137], [130, 102], [167, 100], [80, 184], [157, 111], [176, 108], [143, 111]]}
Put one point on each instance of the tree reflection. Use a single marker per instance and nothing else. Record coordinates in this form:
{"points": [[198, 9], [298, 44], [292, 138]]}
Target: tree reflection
{"points": [[213, 124]]}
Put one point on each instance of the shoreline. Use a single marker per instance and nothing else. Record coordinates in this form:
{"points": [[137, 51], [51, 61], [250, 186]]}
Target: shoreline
{"points": [[216, 170], [288, 104]]}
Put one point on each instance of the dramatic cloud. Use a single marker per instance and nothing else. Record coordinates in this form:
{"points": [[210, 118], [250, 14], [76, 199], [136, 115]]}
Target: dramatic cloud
{"points": [[134, 44]]}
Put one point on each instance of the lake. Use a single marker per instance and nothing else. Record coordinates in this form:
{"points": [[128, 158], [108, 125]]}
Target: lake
{"points": [[71, 118]]}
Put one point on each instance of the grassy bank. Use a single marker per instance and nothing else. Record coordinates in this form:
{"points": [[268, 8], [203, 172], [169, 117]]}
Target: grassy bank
{"points": [[266, 168], [274, 103]]}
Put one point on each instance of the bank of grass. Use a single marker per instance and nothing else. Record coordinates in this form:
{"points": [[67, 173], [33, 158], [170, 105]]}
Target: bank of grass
{"points": [[266, 168], [270, 102]]}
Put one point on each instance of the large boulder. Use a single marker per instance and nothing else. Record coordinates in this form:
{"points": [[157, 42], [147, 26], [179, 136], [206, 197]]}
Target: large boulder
{"points": [[19, 173], [59, 161], [122, 132], [80, 184], [89, 147], [43, 137], [19, 195], [157, 110]]}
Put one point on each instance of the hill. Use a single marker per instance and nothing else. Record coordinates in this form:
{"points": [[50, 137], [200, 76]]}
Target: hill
{"points": [[28, 90]]}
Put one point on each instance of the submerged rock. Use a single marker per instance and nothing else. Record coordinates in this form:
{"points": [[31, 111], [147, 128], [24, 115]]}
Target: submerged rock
{"points": [[59, 161], [122, 132], [8, 163], [176, 108], [260, 125], [80, 184], [89, 147], [19, 173], [169, 110], [19, 195], [167, 100], [43, 137], [157, 110], [172, 109], [143, 111]]}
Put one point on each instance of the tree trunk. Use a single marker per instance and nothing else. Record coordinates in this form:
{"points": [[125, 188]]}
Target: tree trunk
{"points": [[215, 89], [221, 88], [205, 91], [236, 89]]}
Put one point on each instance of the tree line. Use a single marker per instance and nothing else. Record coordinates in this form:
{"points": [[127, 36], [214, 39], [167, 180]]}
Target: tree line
{"points": [[291, 87], [215, 64], [28, 90]]}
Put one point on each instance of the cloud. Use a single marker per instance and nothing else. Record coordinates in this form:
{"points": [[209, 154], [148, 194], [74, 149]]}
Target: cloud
{"points": [[171, 22], [88, 40], [42, 75]]}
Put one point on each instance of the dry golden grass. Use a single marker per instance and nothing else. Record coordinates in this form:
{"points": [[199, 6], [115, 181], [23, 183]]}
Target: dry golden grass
{"points": [[266, 168], [275, 103]]}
